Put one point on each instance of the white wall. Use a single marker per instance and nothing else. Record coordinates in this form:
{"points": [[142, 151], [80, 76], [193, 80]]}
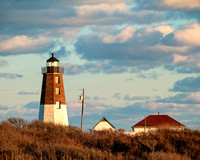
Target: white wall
{"points": [[144, 129], [50, 113], [103, 126], [138, 130]]}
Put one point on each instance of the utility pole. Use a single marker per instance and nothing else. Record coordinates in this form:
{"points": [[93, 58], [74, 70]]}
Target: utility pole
{"points": [[82, 98], [145, 124]]}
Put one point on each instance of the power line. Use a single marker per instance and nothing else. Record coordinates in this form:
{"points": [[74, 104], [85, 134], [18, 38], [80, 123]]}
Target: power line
{"points": [[107, 111]]}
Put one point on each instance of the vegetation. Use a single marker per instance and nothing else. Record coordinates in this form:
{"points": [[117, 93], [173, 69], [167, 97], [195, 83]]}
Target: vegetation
{"points": [[39, 140]]}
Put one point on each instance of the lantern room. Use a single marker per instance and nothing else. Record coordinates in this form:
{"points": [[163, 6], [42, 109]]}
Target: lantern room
{"points": [[52, 62], [52, 66]]}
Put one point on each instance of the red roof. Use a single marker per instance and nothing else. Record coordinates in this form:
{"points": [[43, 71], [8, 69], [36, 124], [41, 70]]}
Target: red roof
{"points": [[158, 120]]}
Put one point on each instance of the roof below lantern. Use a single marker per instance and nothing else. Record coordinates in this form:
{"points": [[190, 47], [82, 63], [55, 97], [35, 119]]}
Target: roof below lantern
{"points": [[52, 59]]}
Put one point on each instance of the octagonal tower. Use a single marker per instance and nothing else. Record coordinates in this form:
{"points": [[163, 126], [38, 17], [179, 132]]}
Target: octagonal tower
{"points": [[52, 103]]}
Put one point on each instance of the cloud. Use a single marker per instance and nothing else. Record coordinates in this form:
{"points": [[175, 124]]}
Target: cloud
{"points": [[170, 4], [3, 107], [32, 105], [181, 4], [122, 37], [69, 35], [136, 98], [169, 49], [123, 117], [186, 36], [183, 98], [187, 68], [127, 97], [125, 49], [24, 16], [117, 96], [91, 107], [102, 10], [33, 18], [162, 107], [189, 84], [69, 2], [164, 28], [74, 104], [111, 14], [186, 63], [148, 75], [136, 53], [189, 34], [95, 98], [180, 58], [99, 1], [29, 112], [62, 52], [142, 108], [183, 43], [10, 75], [71, 69], [27, 93], [94, 68], [107, 14], [24, 44], [73, 109]]}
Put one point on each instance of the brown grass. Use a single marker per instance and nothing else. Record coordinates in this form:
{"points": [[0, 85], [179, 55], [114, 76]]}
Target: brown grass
{"points": [[39, 140]]}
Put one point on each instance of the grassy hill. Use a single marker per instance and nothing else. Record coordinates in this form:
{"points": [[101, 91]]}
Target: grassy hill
{"points": [[39, 140]]}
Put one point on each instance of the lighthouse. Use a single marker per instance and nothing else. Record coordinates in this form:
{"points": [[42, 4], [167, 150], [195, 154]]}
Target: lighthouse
{"points": [[52, 103]]}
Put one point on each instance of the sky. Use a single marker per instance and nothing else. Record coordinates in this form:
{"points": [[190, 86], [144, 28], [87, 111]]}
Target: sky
{"points": [[134, 58]]}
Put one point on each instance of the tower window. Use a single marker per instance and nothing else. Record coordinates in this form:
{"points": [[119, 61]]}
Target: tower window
{"points": [[57, 79], [57, 91], [58, 105]]}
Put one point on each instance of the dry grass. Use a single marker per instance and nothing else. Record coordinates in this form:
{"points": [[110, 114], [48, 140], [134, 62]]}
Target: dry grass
{"points": [[39, 140]]}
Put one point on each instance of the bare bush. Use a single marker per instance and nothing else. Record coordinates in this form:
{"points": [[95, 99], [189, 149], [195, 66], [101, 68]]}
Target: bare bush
{"points": [[39, 140]]}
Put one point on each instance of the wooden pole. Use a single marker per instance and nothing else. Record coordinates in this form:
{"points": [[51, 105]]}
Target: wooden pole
{"points": [[82, 110], [145, 124]]}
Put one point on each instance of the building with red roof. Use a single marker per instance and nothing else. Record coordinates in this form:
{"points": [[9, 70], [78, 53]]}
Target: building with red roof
{"points": [[153, 122]]}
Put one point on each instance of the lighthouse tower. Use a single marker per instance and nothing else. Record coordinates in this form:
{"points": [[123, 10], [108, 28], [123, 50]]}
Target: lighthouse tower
{"points": [[52, 103]]}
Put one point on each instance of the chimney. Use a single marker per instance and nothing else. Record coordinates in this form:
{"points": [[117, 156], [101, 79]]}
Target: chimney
{"points": [[158, 113]]}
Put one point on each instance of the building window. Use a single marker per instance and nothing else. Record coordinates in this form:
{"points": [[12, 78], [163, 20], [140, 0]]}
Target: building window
{"points": [[57, 91], [58, 105], [57, 80]]}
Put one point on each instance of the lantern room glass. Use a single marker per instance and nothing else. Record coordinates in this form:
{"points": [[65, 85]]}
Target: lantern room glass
{"points": [[53, 64]]}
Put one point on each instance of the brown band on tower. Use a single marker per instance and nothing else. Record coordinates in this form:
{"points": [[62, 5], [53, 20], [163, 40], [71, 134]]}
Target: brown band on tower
{"points": [[49, 85]]}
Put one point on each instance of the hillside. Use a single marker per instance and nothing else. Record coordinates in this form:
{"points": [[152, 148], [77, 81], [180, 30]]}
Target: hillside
{"points": [[39, 140]]}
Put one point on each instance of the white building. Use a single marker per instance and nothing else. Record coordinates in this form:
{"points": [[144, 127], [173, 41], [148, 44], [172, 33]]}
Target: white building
{"points": [[103, 124], [155, 122]]}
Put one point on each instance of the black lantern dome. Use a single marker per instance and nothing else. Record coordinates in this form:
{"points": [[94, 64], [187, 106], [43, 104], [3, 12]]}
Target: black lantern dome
{"points": [[52, 59]]}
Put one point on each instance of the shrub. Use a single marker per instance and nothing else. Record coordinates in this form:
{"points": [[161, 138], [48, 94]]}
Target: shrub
{"points": [[39, 140], [18, 122]]}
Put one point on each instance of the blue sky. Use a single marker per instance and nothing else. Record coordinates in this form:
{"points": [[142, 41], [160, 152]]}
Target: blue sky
{"points": [[133, 57]]}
